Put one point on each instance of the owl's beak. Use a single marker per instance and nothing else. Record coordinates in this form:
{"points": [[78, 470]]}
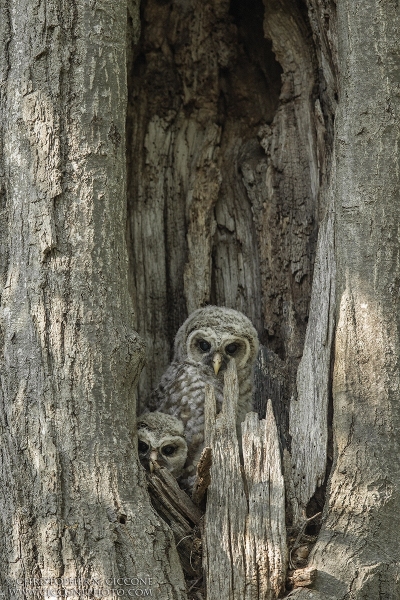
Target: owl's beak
{"points": [[217, 362], [153, 459]]}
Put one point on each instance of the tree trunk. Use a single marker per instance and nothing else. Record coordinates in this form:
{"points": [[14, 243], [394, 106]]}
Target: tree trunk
{"points": [[237, 158], [357, 555], [73, 502]]}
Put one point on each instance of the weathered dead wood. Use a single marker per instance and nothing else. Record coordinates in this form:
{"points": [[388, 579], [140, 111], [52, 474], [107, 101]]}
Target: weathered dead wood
{"points": [[226, 513], [176, 508], [244, 533], [266, 551], [224, 143], [309, 413]]}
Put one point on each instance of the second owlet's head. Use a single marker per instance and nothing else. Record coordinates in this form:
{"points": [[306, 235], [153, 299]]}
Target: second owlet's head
{"points": [[161, 440]]}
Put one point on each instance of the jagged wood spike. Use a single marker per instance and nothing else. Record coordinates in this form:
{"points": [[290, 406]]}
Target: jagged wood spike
{"points": [[309, 412], [225, 519], [245, 554], [266, 550], [231, 394]]}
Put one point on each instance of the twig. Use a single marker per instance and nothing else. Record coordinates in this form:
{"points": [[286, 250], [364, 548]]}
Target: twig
{"points": [[297, 542], [203, 478]]}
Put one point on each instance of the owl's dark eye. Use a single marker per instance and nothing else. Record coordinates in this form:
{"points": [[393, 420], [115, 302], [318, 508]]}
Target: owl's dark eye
{"points": [[143, 447], [231, 348], [168, 450], [204, 345]]}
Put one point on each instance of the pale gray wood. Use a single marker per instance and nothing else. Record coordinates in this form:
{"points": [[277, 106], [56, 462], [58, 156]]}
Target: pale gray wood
{"points": [[308, 425], [266, 549], [245, 554], [224, 144], [226, 513]]}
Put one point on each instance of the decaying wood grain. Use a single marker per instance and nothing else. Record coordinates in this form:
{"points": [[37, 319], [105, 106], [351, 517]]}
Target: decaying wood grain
{"points": [[223, 150], [226, 513], [266, 551], [309, 412], [245, 537]]}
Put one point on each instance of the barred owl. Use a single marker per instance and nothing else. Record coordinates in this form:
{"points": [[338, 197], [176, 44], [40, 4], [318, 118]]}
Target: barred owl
{"points": [[161, 440], [203, 346]]}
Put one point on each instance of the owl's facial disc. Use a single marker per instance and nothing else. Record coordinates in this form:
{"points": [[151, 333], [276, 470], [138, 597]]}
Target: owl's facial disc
{"points": [[214, 349], [239, 349], [169, 451]]}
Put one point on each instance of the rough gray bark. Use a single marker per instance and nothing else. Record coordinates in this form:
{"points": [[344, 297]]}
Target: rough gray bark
{"points": [[357, 555], [245, 537], [72, 500], [232, 113]]}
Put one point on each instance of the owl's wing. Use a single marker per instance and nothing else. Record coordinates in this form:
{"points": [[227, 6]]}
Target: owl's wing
{"points": [[181, 393], [163, 397]]}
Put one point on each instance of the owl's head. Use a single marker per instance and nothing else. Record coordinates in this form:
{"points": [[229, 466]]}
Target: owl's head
{"points": [[161, 440], [214, 334]]}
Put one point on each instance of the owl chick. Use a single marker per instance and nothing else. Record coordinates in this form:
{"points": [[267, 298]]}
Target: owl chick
{"points": [[204, 344], [161, 440]]}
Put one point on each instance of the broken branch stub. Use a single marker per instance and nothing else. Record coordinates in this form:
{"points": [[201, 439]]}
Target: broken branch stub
{"points": [[245, 554]]}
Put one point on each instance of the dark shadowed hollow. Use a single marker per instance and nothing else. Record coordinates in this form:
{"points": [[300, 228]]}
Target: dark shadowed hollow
{"points": [[225, 136]]}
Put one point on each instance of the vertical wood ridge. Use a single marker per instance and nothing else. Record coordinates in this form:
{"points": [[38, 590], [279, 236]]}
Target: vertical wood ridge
{"points": [[245, 536]]}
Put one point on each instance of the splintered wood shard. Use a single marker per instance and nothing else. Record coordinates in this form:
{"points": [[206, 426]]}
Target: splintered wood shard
{"points": [[245, 553], [226, 513], [266, 550], [203, 479]]}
